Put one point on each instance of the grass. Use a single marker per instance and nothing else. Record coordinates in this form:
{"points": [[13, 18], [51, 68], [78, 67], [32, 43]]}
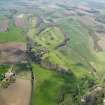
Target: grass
{"points": [[4, 68], [46, 86], [12, 35], [49, 86], [78, 49], [48, 38], [77, 56], [79, 37]]}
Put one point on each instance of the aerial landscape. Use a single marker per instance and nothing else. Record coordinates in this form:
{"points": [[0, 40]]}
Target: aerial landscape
{"points": [[52, 52]]}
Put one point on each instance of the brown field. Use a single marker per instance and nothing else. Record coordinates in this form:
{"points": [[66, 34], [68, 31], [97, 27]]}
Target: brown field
{"points": [[87, 20], [13, 45], [4, 25], [18, 93], [101, 42], [12, 52], [83, 7], [19, 22]]}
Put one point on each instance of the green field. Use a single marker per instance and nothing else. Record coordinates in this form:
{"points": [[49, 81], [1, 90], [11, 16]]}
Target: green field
{"points": [[65, 43], [46, 86], [4, 68], [12, 35], [50, 86], [77, 55], [49, 37]]}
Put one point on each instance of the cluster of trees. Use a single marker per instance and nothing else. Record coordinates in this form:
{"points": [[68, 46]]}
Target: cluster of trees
{"points": [[35, 52]]}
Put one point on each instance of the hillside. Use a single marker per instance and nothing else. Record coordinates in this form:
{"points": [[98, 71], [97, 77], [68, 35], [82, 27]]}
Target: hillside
{"points": [[61, 44]]}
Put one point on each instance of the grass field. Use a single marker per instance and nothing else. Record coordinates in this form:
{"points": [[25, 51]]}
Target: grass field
{"points": [[46, 87], [78, 49], [64, 34], [12, 35], [4, 68], [77, 55], [50, 86], [49, 37]]}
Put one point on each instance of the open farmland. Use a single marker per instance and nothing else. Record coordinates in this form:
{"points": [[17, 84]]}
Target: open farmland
{"points": [[22, 85], [54, 50], [12, 35]]}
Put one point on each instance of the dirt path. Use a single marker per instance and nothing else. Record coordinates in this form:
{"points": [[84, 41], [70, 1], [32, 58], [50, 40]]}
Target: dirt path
{"points": [[18, 93]]}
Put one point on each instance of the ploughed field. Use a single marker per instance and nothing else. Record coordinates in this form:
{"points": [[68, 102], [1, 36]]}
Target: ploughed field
{"points": [[18, 92], [62, 42]]}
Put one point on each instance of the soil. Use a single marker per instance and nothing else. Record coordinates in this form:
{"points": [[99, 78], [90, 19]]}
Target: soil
{"points": [[101, 41], [12, 52], [13, 45], [18, 93], [4, 25]]}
